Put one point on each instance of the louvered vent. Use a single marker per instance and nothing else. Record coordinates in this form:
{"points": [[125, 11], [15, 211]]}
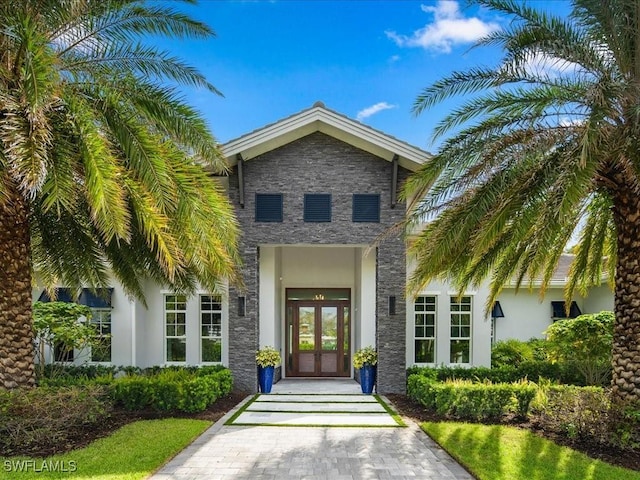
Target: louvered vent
{"points": [[317, 207], [268, 207], [366, 208]]}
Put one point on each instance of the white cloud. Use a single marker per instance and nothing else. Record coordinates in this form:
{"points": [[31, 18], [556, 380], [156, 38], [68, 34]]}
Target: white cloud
{"points": [[449, 28], [543, 65], [373, 109]]}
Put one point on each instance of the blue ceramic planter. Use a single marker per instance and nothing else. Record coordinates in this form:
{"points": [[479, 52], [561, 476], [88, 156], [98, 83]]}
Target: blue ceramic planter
{"points": [[265, 378], [367, 378]]}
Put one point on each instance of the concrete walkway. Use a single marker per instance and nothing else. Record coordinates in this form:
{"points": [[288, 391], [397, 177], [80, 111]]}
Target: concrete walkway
{"points": [[331, 453]]}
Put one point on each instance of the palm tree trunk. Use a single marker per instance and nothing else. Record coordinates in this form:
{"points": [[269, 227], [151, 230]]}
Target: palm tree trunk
{"points": [[16, 331], [626, 333]]}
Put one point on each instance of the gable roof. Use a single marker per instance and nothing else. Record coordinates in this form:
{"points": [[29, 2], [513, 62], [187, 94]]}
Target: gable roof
{"points": [[318, 118]]}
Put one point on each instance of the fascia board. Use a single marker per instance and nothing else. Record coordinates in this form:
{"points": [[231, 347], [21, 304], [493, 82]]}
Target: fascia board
{"points": [[331, 123]]}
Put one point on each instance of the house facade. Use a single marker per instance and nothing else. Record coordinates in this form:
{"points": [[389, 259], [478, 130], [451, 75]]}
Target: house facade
{"points": [[315, 195]]}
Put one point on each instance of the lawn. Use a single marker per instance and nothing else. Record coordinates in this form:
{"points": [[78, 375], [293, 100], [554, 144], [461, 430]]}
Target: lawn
{"points": [[132, 452], [498, 452]]}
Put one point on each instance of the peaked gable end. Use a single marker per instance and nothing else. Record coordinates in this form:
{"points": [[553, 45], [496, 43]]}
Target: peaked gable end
{"points": [[320, 119]]}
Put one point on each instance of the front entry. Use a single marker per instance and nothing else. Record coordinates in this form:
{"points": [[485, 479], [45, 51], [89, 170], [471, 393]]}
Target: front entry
{"points": [[318, 332]]}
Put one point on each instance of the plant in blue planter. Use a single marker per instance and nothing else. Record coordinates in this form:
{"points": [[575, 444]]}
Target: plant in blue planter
{"points": [[366, 359], [267, 359]]}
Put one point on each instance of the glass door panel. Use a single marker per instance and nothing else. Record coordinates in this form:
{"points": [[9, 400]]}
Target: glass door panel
{"points": [[306, 328], [329, 319]]}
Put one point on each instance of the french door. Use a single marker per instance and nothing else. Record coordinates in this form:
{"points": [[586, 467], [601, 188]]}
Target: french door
{"points": [[318, 335]]}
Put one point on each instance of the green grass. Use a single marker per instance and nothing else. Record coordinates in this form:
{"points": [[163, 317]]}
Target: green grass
{"points": [[132, 452], [498, 452]]}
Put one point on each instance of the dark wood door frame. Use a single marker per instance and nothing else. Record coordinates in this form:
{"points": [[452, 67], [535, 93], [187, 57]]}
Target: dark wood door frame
{"points": [[320, 357]]}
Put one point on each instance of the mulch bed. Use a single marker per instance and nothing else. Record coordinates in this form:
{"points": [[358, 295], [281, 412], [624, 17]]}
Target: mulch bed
{"points": [[120, 417], [404, 405], [606, 453]]}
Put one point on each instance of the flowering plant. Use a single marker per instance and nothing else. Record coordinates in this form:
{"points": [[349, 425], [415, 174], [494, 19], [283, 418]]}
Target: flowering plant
{"points": [[267, 357], [365, 356]]}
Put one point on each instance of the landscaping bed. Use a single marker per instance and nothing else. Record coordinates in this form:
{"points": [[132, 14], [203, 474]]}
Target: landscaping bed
{"points": [[610, 454], [70, 411]]}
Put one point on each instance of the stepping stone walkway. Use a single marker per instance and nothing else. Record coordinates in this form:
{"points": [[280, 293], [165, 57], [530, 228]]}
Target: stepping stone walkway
{"points": [[316, 410]]}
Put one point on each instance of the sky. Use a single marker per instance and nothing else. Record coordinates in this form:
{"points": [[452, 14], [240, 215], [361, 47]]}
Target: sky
{"points": [[365, 59]]}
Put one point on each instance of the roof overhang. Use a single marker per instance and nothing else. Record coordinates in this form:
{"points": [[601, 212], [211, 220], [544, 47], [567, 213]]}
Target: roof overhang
{"points": [[320, 119]]}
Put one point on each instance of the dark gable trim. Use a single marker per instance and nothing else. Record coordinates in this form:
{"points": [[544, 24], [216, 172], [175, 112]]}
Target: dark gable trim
{"points": [[240, 180], [394, 181]]}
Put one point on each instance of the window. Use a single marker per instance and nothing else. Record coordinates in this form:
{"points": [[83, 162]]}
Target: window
{"points": [[366, 208], [175, 314], [211, 328], [317, 207], [558, 310], [268, 207], [62, 352], [101, 350], [460, 330], [425, 329]]}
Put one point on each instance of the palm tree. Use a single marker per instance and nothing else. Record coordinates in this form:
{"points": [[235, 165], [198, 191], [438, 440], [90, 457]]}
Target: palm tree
{"points": [[545, 146], [104, 169]]}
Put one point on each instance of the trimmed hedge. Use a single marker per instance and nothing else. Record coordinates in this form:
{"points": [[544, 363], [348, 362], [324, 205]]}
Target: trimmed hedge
{"points": [[172, 389], [531, 370], [467, 400]]}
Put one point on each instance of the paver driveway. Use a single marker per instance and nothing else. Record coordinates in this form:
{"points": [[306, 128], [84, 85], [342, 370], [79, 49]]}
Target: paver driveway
{"points": [[331, 453]]}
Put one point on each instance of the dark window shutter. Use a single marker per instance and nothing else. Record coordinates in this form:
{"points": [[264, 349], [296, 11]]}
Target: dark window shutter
{"points": [[317, 207], [62, 295], [96, 298], [366, 208], [559, 312], [268, 207]]}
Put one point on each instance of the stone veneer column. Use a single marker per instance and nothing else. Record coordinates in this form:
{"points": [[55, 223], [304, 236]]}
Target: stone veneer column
{"points": [[243, 331], [391, 331]]}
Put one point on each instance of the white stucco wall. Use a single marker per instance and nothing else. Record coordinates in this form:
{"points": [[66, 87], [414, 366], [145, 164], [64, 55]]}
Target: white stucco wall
{"points": [[599, 299], [150, 321], [367, 306], [525, 314], [480, 325]]}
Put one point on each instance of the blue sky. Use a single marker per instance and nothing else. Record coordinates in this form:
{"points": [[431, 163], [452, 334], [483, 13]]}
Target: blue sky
{"points": [[363, 58]]}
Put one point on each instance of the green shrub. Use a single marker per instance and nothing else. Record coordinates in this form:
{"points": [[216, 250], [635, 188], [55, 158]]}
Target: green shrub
{"points": [[133, 393], [173, 389], [625, 426], [510, 352], [527, 370], [584, 343], [577, 412], [524, 393], [45, 416], [464, 399]]}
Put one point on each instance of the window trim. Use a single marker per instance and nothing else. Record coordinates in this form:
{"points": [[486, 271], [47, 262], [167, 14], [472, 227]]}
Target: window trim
{"points": [[434, 313], [175, 324], [453, 300], [219, 337], [108, 311]]}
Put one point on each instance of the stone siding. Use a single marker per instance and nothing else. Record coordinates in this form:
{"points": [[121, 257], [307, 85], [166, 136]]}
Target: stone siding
{"points": [[319, 163]]}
